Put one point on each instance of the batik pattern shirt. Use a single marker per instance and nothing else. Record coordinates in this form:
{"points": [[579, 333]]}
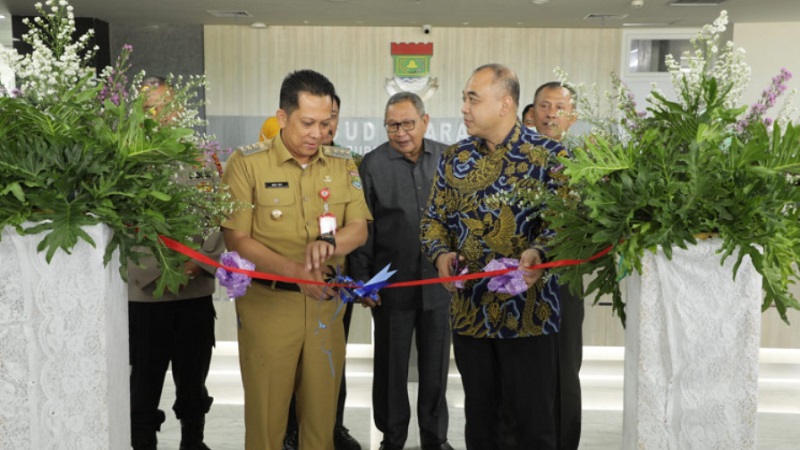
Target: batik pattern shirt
{"points": [[465, 216]]}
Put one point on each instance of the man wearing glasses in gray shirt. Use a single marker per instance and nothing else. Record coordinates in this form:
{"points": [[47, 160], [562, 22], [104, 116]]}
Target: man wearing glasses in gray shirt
{"points": [[397, 178]]}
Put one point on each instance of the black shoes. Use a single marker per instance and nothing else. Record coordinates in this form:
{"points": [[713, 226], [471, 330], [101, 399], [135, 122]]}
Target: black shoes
{"points": [[387, 446], [291, 440], [192, 434], [342, 440], [143, 438], [443, 446]]}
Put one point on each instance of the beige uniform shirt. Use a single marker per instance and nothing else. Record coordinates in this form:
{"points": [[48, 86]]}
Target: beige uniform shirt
{"points": [[286, 197], [142, 280]]}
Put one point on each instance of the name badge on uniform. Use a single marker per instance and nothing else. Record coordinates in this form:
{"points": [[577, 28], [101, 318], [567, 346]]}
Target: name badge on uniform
{"points": [[276, 184], [327, 221]]}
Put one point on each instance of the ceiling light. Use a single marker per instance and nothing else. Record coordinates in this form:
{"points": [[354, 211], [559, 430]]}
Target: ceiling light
{"points": [[229, 14], [695, 2], [602, 16], [540, 2], [646, 24], [2, 16], [258, 25]]}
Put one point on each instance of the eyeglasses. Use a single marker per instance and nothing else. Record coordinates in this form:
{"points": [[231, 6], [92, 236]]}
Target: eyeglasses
{"points": [[407, 125]]}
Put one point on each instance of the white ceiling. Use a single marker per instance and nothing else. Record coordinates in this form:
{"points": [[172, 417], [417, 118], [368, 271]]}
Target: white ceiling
{"points": [[438, 13]]}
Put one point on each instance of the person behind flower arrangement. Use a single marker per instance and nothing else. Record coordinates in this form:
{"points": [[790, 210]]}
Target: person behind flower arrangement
{"points": [[553, 109], [175, 328], [553, 115], [505, 345], [269, 129], [292, 181], [398, 176], [528, 119]]}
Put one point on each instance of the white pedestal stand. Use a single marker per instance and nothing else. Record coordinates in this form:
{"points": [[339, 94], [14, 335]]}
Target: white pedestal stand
{"points": [[691, 352], [64, 370]]}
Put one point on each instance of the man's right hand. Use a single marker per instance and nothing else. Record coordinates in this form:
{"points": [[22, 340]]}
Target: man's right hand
{"points": [[315, 291], [444, 264]]}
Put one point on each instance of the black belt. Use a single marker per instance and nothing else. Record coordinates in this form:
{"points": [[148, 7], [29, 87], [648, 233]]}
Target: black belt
{"points": [[278, 285]]}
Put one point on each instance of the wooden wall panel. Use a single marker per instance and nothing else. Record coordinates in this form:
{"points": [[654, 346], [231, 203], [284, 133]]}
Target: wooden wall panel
{"points": [[245, 66]]}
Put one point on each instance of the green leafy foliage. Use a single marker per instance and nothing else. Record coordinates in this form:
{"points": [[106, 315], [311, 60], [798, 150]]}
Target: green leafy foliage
{"points": [[683, 170], [686, 170], [68, 166], [75, 153]]}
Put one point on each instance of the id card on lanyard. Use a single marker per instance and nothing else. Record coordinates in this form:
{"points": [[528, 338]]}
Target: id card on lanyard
{"points": [[327, 221]]}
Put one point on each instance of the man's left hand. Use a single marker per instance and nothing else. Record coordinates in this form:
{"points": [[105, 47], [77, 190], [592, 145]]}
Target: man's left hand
{"points": [[530, 257], [317, 252]]}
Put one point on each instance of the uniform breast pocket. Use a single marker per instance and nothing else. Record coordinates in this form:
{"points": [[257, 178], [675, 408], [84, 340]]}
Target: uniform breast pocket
{"points": [[277, 209], [340, 197]]}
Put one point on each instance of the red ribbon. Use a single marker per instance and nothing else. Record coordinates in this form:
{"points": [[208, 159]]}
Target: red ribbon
{"points": [[185, 250]]}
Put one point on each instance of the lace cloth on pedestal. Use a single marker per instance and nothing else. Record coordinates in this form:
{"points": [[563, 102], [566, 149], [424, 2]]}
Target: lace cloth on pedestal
{"points": [[63, 347], [691, 361]]}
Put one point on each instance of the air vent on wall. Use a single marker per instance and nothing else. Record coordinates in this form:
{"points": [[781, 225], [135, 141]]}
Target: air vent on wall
{"points": [[229, 14], [696, 2], [604, 17]]}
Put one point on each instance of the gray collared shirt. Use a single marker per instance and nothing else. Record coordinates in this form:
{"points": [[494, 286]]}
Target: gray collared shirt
{"points": [[397, 192]]}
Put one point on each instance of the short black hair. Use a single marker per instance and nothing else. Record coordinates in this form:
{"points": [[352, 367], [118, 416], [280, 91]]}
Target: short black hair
{"points": [[308, 81], [337, 101], [525, 110], [553, 85]]}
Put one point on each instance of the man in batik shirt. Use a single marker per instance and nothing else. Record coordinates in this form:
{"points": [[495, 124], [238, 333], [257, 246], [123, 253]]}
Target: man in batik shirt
{"points": [[505, 345]]}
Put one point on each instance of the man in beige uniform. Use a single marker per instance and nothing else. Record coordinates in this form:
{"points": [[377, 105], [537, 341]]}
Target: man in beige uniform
{"points": [[290, 337]]}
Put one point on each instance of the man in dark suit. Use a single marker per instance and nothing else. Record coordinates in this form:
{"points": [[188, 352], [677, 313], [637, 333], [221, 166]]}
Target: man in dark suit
{"points": [[397, 179]]}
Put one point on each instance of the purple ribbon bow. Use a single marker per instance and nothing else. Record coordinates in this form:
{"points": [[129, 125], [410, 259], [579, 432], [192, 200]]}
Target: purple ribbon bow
{"points": [[235, 283], [509, 283]]}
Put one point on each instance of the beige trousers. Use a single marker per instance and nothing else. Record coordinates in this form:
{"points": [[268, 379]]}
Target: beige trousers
{"points": [[289, 343]]}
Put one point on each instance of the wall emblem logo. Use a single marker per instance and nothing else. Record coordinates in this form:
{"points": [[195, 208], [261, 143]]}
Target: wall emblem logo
{"points": [[412, 67]]}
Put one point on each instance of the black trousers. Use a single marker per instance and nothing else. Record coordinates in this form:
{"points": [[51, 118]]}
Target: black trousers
{"points": [[393, 336], [180, 332], [291, 425], [570, 357], [518, 373]]}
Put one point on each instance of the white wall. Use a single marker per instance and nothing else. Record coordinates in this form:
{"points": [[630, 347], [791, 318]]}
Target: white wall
{"points": [[245, 67], [769, 47]]}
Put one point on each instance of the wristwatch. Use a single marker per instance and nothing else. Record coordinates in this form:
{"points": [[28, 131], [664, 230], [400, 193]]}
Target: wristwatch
{"points": [[327, 238]]}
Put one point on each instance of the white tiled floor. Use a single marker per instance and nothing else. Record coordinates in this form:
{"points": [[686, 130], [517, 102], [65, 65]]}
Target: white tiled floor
{"points": [[602, 381]]}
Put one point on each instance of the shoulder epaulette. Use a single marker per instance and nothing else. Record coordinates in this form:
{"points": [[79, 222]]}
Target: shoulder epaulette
{"points": [[336, 152], [251, 149]]}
